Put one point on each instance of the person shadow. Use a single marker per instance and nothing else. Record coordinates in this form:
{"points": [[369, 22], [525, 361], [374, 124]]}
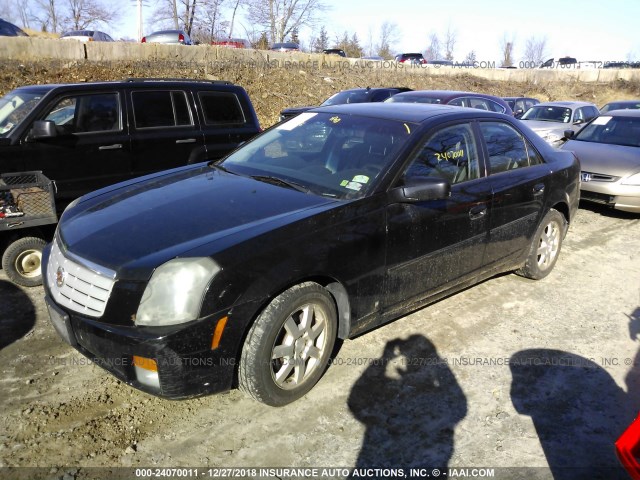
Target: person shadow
{"points": [[410, 402], [577, 408], [17, 314]]}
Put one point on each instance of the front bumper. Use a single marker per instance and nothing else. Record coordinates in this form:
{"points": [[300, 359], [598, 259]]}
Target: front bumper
{"points": [[621, 197], [184, 363]]}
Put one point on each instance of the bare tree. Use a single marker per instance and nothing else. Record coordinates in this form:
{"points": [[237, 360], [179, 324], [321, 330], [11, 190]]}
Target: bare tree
{"points": [[82, 14], [506, 48], [389, 35], [471, 58], [49, 13], [450, 40], [433, 51], [209, 25], [24, 11], [535, 51], [282, 17]]}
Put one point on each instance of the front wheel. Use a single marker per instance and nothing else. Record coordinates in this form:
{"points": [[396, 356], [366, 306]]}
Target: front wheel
{"points": [[22, 261], [288, 347], [545, 246]]}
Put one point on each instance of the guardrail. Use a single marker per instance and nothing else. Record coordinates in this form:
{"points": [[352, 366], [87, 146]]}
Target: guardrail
{"points": [[33, 48]]}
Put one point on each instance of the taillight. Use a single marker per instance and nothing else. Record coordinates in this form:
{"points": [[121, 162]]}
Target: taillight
{"points": [[181, 38], [144, 40]]}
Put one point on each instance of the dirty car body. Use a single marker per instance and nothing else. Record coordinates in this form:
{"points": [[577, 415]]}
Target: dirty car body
{"points": [[244, 271]]}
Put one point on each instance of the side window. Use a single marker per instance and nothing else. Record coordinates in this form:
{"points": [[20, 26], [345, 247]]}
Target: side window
{"points": [[449, 153], [591, 112], [160, 108], [578, 115], [221, 108], [87, 113], [507, 148], [458, 102]]}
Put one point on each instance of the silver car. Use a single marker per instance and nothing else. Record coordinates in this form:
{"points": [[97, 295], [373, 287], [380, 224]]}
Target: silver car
{"points": [[609, 152], [551, 119], [175, 37]]}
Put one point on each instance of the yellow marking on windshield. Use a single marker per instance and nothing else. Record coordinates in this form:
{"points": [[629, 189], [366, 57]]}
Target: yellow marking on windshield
{"points": [[408, 129]]}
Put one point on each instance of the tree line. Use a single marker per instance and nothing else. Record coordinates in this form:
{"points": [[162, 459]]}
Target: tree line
{"points": [[263, 22]]}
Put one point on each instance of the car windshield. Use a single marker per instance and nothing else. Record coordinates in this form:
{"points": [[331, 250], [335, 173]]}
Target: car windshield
{"points": [[345, 97], [548, 114], [612, 130], [15, 106], [413, 99], [332, 155]]}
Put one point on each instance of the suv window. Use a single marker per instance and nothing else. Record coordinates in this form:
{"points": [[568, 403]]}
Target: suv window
{"points": [[86, 113], [507, 149], [221, 108], [449, 153], [160, 108]]}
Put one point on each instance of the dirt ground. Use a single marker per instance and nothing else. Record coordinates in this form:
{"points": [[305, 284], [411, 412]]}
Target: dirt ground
{"points": [[272, 89], [531, 379]]}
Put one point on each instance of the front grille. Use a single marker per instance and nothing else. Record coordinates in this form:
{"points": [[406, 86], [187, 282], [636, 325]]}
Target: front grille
{"points": [[599, 177], [78, 285]]}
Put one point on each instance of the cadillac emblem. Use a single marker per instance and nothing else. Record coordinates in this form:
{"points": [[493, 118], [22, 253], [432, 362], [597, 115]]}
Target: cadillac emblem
{"points": [[60, 276]]}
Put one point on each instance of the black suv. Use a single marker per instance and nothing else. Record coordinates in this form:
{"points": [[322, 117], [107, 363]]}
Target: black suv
{"points": [[87, 136]]}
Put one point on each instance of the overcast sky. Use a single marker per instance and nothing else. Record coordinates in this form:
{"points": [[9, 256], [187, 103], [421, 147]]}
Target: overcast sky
{"points": [[605, 30]]}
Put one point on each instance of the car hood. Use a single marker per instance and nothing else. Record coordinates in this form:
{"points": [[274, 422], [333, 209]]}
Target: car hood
{"points": [[542, 126], [616, 160], [134, 227]]}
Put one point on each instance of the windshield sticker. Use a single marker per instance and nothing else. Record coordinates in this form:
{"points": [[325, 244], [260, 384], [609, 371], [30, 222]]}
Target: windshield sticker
{"points": [[335, 119], [602, 120], [296, 121], [353, 186], [361, 179], [450, 155]]}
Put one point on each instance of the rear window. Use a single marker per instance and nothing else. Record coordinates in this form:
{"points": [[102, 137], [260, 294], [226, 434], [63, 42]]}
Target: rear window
{"points": [[161, 108], [221, 108]]}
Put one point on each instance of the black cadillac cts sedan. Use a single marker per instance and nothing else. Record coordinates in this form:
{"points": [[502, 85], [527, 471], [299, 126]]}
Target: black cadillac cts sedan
{"points": [[243, 272]]}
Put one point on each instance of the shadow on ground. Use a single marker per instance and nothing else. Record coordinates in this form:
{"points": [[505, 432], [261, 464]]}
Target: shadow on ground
{"points": [[17, 313]]}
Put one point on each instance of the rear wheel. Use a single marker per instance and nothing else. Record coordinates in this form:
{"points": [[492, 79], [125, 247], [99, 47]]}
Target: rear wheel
{"points": [[22, 261], [288, 347], [545, 246]]}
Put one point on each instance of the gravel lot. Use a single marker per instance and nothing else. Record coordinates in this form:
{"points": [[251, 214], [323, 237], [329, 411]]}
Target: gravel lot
{"points": [[508, 374]]}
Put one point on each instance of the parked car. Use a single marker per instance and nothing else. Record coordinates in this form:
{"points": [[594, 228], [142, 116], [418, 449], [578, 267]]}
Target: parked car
{"points": [[285, 47], [609, 153], [334, 51], [353, 95], [232, 43], [90, 135], [172, 37], [86, 36], [411, 58], [519, 105], [562, 62], [551, 119], [8, 29], [620, 105], [249, 268], [458, 99]]}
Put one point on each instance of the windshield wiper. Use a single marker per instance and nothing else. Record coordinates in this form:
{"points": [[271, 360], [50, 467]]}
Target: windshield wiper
{"points": [[279, 181]]}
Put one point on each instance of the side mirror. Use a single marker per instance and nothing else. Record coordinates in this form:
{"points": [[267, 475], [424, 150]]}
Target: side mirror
{"points": [[578, 122], [569, 134], [43, 129], [423, 189]]}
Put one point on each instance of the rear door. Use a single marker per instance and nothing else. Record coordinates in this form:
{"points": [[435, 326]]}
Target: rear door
{"points": [[435, 244], [520, 182], [224, 122], [165, 133]]}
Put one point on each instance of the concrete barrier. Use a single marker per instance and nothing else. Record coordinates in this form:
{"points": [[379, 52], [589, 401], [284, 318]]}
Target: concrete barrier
{"points": [[32, 49]]}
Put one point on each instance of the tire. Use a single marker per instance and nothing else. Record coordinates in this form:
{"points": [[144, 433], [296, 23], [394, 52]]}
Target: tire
{"points": [[288, 346], [545, 247], [22, 259]]}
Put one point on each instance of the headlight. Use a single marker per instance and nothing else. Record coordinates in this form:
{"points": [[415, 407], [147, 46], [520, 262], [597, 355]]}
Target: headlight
{"points": [[175, 292], [632, 180]]}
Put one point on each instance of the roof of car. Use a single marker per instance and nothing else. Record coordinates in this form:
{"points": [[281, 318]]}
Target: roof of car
{"points": [[519, 98], [408, 112], [624, 102], [444, 94], [566, 104], [627, 112]]}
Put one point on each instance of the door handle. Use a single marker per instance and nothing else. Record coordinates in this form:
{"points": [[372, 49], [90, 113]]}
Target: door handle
{"points": [[115, 146], [186, 140], [538, 189], [478, 211]]}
